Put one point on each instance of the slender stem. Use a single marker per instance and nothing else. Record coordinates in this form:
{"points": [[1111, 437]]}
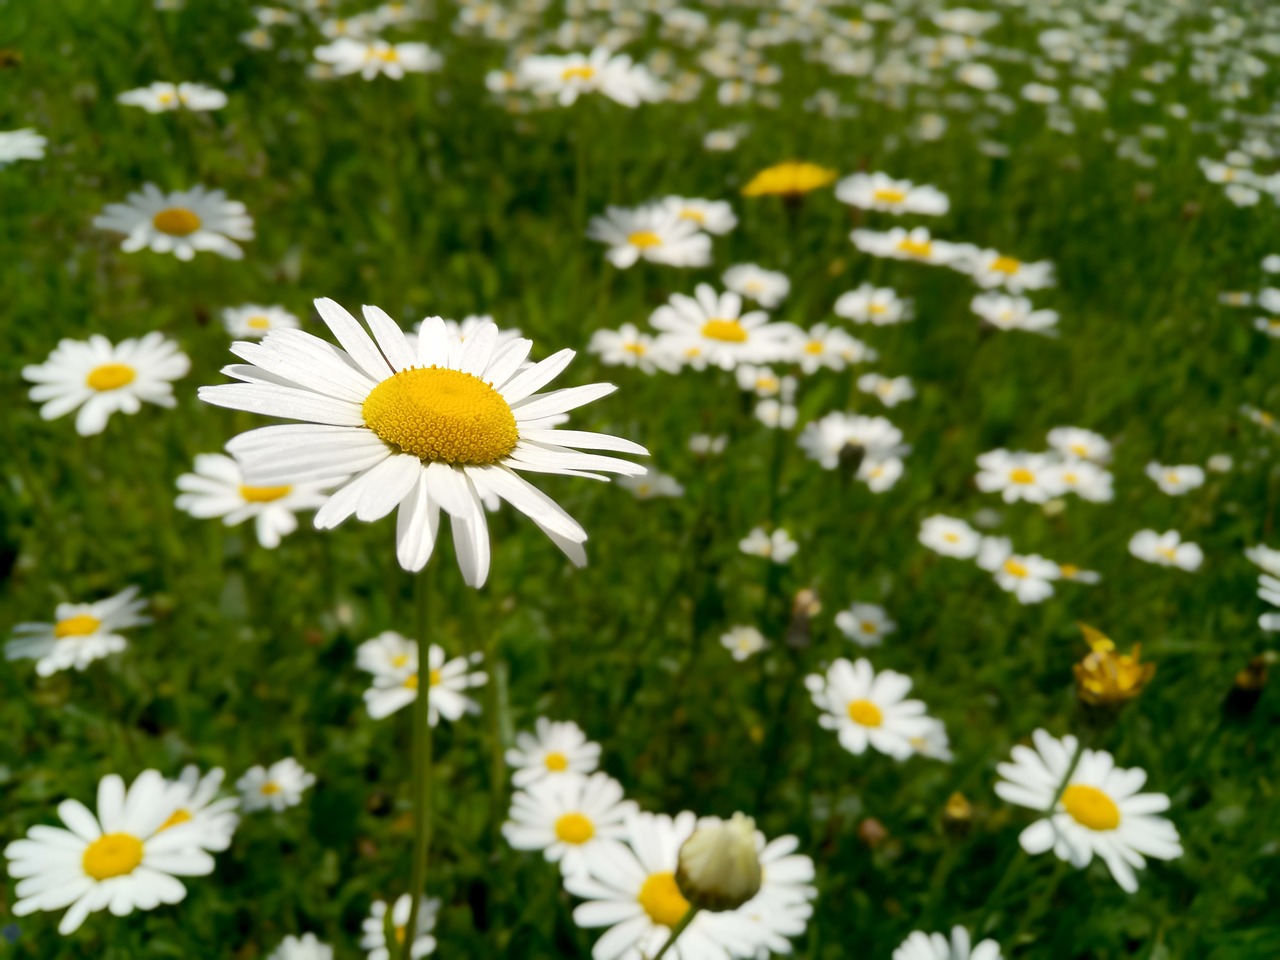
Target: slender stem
{"points": [[676, 931], [421, 765]]}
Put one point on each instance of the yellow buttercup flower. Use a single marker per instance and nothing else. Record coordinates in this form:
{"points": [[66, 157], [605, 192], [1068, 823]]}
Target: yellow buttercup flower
{"points": [[1107, 678], [789, 179]]}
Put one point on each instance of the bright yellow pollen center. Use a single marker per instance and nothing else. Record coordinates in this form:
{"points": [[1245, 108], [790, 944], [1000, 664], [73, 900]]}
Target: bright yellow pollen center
{"points": [[557, 761], [1170, 477], [1080, 450], [263, 494], [112, 855], [644, 239], [1090, 807], [399, 933], [867, 626], [176, 221], [411, 682], [165, 98], [1006, 265], [178, 816], [574, 828], [695, 215], [1015, 569], [877, 308], [80, 625], [577, 73], [442, 415], [258, 323], [110, 376], [400, 659], [813, 346], [434, 678], [639, 349], [888, 195], [865, 713], [270, 788], [951, 537], [388, 56], [729, 331], [1169, 553], [662, 899], [1022, 475], [1068, 570], [915, 248]]}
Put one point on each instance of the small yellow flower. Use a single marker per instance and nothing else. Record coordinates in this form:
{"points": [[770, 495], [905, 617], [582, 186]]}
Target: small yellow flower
{"points": [[1107, 678], [789, 179]]}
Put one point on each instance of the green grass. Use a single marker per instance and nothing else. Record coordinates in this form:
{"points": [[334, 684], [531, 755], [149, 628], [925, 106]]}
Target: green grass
{"points": [[427, 197]]}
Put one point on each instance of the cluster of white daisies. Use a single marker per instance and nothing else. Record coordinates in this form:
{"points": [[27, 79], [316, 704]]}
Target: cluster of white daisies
{"points": [[621, 862]]}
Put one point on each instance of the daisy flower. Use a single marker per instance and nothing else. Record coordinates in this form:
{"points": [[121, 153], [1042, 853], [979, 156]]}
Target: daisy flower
{"points": [[865, 624], [1166, 549], [194, 800], [1176, 481], [766, 287], [23, 144], [1028, 577], [446, 681], [1018, 476], [440, 427], [306, 947], [879, 306], [1099, 812], [80, 633], [782, 908], [777, 546], [98, 378], [217, 489], [652, 485], [383, 936], [712, 216], [936, 946], [182, 223], [374, 58], [868, 709], [777, 414], [567, 817], [1086, 480], [991, 268], [829, 438], [1264, 557], [950, 537], [880, 474], [601, 71], [878, 191], [651, 232], [163, 97], [901, 244], [830, 347], [890, 391], [126, 856], [742, 642], [277, 787], [723, 335], [631, 889], [255, 320], [1014, 313], [628, 347], [790, 179], [554, 748], [1080, 444]]}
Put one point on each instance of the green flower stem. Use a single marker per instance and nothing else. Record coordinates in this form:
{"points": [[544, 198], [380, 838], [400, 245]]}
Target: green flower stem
{"points": [[421, 765], [676, 931]]}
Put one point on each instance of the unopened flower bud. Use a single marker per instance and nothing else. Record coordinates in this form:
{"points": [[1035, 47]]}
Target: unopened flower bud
{"points": [[1246, 691], [872, 832], [957, 815], [719, 867]]}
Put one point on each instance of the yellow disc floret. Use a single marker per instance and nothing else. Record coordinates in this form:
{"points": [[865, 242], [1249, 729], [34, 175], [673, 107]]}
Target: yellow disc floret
{"points": [[438, 414], [112, 855], [110, 376], [177, 221], [865, 713], [662, 899], [81, 625], [263, 494], [574, 828], [729, 331], [556, 761], [1090, 807]]}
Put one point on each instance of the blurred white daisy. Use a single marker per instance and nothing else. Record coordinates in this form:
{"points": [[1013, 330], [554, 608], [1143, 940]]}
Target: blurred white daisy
{"points": [[446, 682], [99, 378], [80, 633], [1006, 312], [652, 485], [784, 904], [442, 427], [742, 642], [568, 817], [255, 320], [878, 191], [879, 306], [1166, 549], [162, 97], [917, 245], [601, 71], [950, 537], [374, 58], [123, 857], [991, 268], [384, 932], [629, 347], [217, 489], [824, 345], [554, 748], [1029, 577], [1081, 444], [306, 947], [182, 223], [766, 287], [712, 216], [866, 708], [890, 391], [936, 946], [276, 787], [1018, 476], [776, 546], [652, 232], [866, 624], [722, 334], [1176, 480], [194, 800], [23, 144]]}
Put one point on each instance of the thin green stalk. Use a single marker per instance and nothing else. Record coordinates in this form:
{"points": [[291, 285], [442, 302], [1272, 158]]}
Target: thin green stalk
{"points": [[421, 746], [676, 931]]}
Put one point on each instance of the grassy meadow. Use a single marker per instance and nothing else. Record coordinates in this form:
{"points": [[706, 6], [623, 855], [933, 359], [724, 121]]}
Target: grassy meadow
{"points": [[435, 195]]}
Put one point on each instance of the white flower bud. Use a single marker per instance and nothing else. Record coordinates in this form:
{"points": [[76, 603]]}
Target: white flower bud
{"points": [[719, 868]]}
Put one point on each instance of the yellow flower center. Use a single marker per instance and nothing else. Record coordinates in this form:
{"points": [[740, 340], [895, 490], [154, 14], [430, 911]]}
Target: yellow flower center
{"points": [[110, 376], [270, 788], [644, 239], [81, 625], [888, 195], [443, 415], [1068, 570], [662, 899], [814, 347], [1006, 265], [1169, 553], [577, 73], [176, 221], [951, 537], [112, 855], [178, 816], [388, 55], [557, 761], [399, 660], [1171, 476], [165, 99], [865, 713], [575, 828], [433, 678], [1080, 450], [867, 626], [263, 494], [915, 248], [729, 331], [399, 933], [1022, 475], [1090, 807], [258, 322], [878, 308], [1015, 569], [639, 349], [695, 215]]}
